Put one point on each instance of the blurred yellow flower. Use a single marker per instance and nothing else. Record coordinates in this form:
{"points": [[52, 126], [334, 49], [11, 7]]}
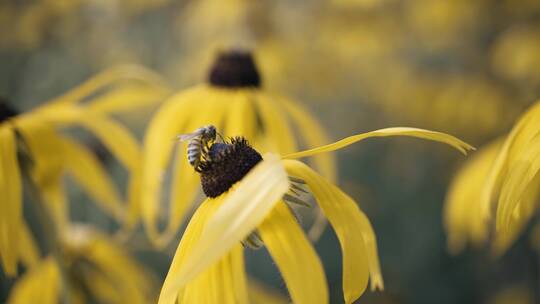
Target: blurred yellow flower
{"points": [[234, 101], [251, 196], [92, 268], [33, 142], [498, 188]]}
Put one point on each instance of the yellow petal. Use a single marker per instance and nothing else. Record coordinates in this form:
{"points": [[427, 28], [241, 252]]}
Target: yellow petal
{"points": [[523, 170], [11, 202], [90, 174], [128, 97], [262, 294], [223, 282], [240, 118], [230, 283], [41, 282], [131, 281], [355, 234], [171, 120], [463, 211], [105, 78], [296, 259], [44, 147], [278, 135], [398, 131], [312, 133], [242, 209], [28, 249], [525, 129], [199, 107]]}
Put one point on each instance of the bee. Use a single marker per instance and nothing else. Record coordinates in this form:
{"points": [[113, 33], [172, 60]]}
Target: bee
{"points": [[198, 144]]}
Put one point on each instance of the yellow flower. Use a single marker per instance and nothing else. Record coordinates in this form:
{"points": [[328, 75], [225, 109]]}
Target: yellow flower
{"points": [[234, 102], [251, 197], [32, 145], [93, 268], [498, 188]]}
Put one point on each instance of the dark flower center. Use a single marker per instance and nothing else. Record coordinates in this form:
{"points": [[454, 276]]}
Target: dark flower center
{"points": [[6, 111], [234, 69], [228, 163]]}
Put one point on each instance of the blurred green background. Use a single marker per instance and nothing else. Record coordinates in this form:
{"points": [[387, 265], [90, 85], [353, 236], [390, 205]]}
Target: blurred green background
{"points": [[468, 68]]}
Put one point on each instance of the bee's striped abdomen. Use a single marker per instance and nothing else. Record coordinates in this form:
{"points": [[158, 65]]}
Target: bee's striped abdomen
{"points": [[194, 151]]}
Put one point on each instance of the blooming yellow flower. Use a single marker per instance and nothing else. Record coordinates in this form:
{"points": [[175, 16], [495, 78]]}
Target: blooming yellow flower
{"points": [[93, 269], [251, 197], [234, 102], [32, 144], [499, 188]]}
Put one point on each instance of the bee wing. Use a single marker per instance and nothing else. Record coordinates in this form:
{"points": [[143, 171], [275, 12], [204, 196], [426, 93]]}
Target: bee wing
{"points": [[190, 136]]}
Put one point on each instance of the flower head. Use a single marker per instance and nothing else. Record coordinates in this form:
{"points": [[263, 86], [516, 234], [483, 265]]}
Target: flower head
{"points": [[233, 100], [208, 265], [33, 145]]}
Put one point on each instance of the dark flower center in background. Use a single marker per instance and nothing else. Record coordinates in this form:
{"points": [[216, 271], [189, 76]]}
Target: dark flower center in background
{"points": [[234, 69], [228, 163], [6, 111]]}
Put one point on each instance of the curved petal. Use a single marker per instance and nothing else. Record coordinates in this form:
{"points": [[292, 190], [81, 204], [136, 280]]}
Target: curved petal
{"points": [[208, 108], [314, 136], [242, 209], [523, 170], [11, 202], [159, 141], [278, 135], [398, 131], [355, 234], [229, 283], [28, 250], [128, 97], [41, 282], [294, 256], [262, 294], [90, 174], [103, 79], [463, 212], [524, 130]]}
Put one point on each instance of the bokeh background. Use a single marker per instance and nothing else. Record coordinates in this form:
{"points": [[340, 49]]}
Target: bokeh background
{"points": [[468, 68]]}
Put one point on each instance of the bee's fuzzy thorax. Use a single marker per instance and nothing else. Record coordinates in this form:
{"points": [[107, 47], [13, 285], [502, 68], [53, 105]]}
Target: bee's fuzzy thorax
{"points": [[228, 164], [6, 111], [234, 69]]}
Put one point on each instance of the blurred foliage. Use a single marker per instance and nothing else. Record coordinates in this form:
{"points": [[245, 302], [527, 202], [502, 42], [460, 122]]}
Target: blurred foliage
{"points": [[469, 68]]}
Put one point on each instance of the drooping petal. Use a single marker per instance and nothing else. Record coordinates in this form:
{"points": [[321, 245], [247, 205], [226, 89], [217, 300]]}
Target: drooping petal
{"points": [[11, 202], [463, 211], [42, 148], [262, 294], [41, 282], [240, 119], [127, 98], [103, 79], [295, 257], [524, 130], [131, 283], [278, 135], [170, 120], [312, 133], [242, 209], [355, 234], [398, 131], [90, 174], [524, 168], [28, 250], [230, 283], [223, 282]]}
